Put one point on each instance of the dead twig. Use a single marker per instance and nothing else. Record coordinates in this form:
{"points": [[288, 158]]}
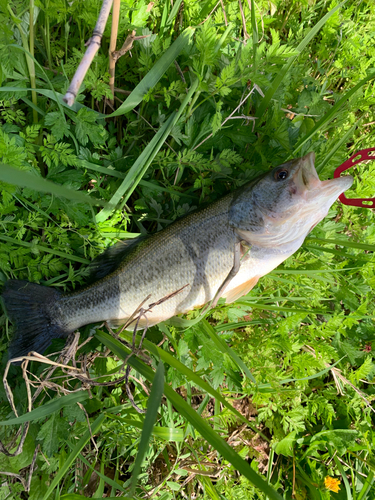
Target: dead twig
{"points": [[154, 129], [112, 46], [224, 13], [245, 33], [177, 66], [210, 14], [127, 46], [339, 377], [136, 316], [142, 384], [231, 115], [135, 351], [31, 469], [17, 476]]}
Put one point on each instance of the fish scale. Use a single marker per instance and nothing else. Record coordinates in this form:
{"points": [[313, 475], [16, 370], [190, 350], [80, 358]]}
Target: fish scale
{"points": [[196, 251]]}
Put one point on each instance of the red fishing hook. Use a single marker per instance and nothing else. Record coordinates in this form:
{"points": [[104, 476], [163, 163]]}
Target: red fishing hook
{"points": [[358, 157]]}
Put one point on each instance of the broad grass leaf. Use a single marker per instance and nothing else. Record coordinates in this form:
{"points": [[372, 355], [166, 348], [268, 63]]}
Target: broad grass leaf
{"points": [[75, 496], [223, 347], [286, 446], [137, 170], [155, 74], [48, 408], [42, 248], [24, 179], [24, 459], [153, 404], [344, 243], [340, 439]]}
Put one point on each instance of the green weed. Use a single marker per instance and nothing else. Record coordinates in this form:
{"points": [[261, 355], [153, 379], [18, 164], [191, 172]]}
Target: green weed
{"points": [[263, 398]]}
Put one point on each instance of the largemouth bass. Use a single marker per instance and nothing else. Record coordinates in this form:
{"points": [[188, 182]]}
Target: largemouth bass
{"points": [[221, 250]]}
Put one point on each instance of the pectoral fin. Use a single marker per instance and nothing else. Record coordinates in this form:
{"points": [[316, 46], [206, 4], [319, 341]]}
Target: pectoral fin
{"points": [[231, 275], [239, 291]]}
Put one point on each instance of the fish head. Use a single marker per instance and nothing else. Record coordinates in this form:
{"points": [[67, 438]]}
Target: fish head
{"points": [[287, 202]]}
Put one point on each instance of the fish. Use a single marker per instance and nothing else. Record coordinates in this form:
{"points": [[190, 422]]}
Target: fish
{"points": [[220, 250]]}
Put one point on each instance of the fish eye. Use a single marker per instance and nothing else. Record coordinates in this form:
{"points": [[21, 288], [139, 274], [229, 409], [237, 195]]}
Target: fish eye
{"points": [[281, 174]]}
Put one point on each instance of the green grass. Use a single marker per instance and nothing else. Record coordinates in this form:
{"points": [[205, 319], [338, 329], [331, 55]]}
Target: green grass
{"points": [[262, 398]]}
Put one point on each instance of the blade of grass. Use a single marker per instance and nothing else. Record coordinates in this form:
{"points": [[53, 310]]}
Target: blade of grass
{"points": [[33, 106], [99, 493], [138, 165], [28, 48], [167, 131], [340, 253], [163, 18], [155, 74], [284, 70], [41, 248], [55, 96], [344, 140], [48, 408], [110, 482], [166, 433], [312, 272], [121, 175], [74, 454], [193, 418], [242, 324], [266, 307], [329, 250], [24, 179], [76, 496], [314, 492], [210, 489], [344, 243], [225, 349], [280, 298], [254, 27], [366, 486], [32, 81], [174, 12], [153, 404], [342, 472], [113, 232]]}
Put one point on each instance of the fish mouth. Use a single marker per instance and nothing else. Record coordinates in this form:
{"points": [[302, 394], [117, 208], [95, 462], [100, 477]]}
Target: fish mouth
{"points": [[311, 187]]}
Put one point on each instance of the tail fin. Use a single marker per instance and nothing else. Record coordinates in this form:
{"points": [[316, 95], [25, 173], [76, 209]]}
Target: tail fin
{"points": [[31, 308]]}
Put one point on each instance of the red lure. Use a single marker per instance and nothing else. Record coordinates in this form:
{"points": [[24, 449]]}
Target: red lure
{"points": [[358, 157]]}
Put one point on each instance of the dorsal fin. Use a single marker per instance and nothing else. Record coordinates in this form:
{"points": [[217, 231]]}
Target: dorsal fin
{"points": [[110, 259]]}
